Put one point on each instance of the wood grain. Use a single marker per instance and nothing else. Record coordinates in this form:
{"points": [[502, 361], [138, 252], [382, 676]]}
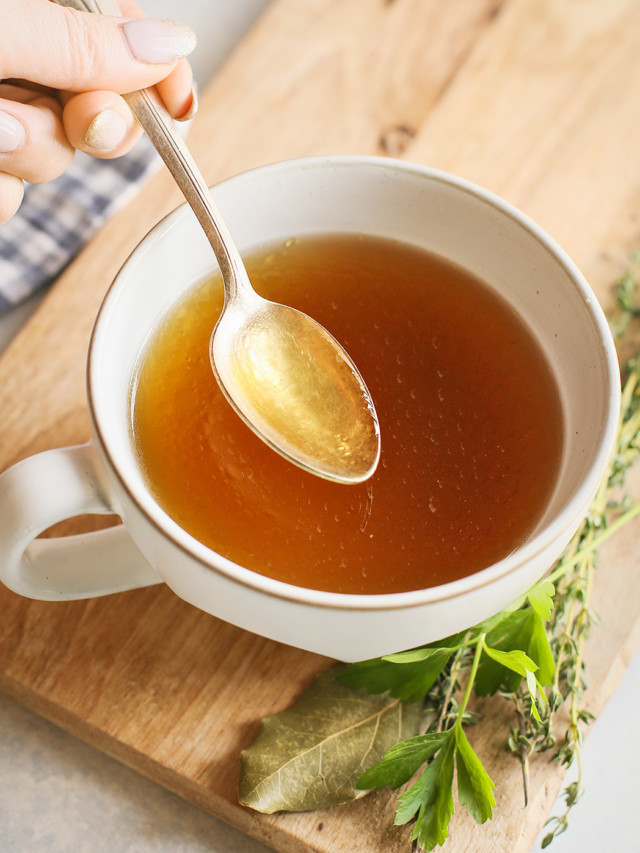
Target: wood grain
{"points": [[535, 99]]}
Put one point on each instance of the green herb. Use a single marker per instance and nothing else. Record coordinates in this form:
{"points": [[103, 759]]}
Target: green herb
{"points": [[506, 651], [429, 801], [532, 654]]}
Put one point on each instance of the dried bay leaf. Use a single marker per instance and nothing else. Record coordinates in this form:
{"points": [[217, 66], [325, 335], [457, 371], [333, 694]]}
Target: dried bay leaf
{"points": [[311, 755]]}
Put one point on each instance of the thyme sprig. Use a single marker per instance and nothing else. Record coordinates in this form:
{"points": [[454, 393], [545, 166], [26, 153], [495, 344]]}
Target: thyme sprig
{"points": [[572, 618], [532, 654]]}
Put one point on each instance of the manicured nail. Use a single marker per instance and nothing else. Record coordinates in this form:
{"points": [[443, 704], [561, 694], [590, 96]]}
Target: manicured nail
{"points": [[106, 131], [158, 42], [192, 109], [12, 133]]}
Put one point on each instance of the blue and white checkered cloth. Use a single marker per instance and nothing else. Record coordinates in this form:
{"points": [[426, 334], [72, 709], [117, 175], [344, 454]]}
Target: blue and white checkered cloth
{"points": [[56, 219]]}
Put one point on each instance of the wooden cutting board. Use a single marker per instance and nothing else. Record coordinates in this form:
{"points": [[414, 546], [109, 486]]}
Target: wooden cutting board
{"points": [[534, 99]]}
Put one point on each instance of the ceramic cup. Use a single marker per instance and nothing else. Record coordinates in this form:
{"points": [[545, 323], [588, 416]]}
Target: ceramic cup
{"points": [[397, 200]]}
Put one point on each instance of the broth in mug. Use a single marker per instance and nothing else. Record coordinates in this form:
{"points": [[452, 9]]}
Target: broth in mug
{"points": [[470, 419]]}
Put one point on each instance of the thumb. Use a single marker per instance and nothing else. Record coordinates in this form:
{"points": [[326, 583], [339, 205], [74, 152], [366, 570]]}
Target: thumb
{"points": [[78, 51]]}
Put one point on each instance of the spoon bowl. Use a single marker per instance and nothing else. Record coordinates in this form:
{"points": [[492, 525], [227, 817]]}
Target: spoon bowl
{"points": [[296, 387]]}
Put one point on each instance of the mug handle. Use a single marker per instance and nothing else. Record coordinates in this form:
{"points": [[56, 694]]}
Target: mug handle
{"points": [[50, 487]]}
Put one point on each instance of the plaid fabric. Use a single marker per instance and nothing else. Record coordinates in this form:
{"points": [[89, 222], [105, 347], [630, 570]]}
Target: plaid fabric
{"points": [[56, 219]]}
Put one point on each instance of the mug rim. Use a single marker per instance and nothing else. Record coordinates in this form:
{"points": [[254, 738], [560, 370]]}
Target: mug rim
{"points": [[566, 519]]}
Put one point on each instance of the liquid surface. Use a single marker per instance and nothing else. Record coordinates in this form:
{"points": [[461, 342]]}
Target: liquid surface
{"points": [[469, 413], [298, 390]]}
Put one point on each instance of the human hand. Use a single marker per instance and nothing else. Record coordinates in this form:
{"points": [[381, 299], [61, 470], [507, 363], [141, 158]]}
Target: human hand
{"points": [[62, 73]]}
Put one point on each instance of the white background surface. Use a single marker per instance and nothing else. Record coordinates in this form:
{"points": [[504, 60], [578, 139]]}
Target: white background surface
{"points": [[59, 795]]}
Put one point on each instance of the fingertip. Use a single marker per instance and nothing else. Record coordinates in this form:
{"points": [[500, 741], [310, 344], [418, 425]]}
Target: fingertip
{"points": [[106, 132], [158, 42], [100, 124], [191, 108], [11, 195], [178, 92], [12, 133]]}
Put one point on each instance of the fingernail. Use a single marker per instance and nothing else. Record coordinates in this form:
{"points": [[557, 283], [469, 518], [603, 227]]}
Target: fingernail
{"points": [[192, 108], [12, 133], [158, 42], [106, 131]]}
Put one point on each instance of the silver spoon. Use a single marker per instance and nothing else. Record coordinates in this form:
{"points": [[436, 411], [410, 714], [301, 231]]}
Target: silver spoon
{"points": [[283, 373]]}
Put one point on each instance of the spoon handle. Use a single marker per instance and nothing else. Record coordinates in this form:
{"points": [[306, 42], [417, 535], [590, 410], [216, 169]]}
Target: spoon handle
{"points": [[161, 130]]}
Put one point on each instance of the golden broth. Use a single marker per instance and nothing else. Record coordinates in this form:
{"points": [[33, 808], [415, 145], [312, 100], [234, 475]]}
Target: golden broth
{"points": [[470, 420]]}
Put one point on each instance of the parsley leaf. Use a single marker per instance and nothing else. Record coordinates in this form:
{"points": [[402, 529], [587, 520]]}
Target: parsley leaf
{"points": [[522, 630], [539, 650], [475, 786], [408, 676], [510, 632], [540, 597], [431, 798], [516, 660], [403, 760]]}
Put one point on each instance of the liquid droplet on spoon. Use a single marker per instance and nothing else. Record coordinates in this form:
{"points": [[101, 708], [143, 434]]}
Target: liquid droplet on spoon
{"points": [[297, 388]]}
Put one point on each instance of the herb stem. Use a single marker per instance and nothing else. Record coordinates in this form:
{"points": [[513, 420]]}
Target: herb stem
{"points": [[524, 751], [566, 565], [472, 677], [453, 681]]}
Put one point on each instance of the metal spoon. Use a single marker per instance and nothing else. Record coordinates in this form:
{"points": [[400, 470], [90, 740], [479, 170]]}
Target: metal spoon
{"points": [[283, 373]]}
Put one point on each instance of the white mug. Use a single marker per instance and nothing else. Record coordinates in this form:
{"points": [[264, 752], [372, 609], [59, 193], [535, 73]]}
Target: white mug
{"points": [[377, 196]]}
